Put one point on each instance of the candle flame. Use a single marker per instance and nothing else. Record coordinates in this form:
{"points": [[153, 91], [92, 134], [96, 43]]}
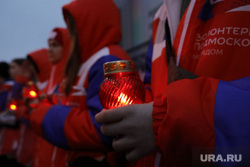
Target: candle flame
{"points": [[124, 99], [13, 107], [32, 93]]}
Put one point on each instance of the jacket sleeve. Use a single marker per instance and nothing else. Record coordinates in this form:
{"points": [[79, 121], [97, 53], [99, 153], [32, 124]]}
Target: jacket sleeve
{"points": [[3, 101], [72, 127], [16, 92], [202, 113], [16, 95]]}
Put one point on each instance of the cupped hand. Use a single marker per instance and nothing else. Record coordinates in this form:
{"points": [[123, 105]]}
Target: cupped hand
{"points": [[133, 125]]}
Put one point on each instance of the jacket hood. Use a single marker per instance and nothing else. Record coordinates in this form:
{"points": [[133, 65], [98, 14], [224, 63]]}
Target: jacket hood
{"points": [[41, 59], [57, 72], [97, 23]]}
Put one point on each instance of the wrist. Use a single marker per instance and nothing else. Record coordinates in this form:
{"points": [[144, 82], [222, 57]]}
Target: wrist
{"points": [[159, 113]]}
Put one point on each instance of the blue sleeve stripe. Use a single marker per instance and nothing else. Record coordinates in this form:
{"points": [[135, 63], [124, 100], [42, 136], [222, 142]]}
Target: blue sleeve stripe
{"points": [[206, 11], [53, 125], [232, 117], [147, 77]]}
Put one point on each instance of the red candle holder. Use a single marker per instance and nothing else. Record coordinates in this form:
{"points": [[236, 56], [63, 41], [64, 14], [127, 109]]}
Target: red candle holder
{"points": [[121, 86]]}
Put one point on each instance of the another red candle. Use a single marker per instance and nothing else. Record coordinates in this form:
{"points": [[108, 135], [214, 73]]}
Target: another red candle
{"points": [[30, 91]]}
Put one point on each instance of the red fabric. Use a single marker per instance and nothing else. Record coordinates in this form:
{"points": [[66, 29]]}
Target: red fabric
{"points": [[148, 94], [101, 19], [26, 145], [36, 119], [41, 58], [22, 79], [191, 123], [93, 139], [9, 141], [119, 52], [22, 112], [44, 157]]}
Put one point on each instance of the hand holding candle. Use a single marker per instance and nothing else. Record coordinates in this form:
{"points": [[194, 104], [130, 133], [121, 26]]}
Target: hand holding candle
{"points": [[133, 125]]}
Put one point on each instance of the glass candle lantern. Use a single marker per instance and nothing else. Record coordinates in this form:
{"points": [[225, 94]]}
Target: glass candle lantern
{"points": [[121, 86]]}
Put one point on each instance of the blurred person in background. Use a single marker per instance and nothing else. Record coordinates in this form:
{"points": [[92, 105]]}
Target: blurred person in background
{"points": [[9, 127], [16, 67], [35, 74], [59, 45], [5, 84]]}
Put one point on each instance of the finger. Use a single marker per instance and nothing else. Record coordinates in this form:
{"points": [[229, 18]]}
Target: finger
{"points": [[133, 155], [111, 115], [113, 129], [123, 144]]}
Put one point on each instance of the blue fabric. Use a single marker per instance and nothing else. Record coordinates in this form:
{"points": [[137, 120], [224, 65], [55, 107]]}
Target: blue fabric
{"points": [[53, 125], [16, 92], [3, 100], [206, 11], [95, 78], [147, 77], [232, 119], [4, 93], [25, 121], [56, 91]]}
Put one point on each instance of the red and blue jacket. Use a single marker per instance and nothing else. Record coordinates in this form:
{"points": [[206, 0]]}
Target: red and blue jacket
{"points": [[51, 94], [209, 114], [8, 137]]}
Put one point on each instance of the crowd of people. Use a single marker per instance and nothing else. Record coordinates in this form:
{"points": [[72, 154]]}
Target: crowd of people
{"points": [[197, 83]]}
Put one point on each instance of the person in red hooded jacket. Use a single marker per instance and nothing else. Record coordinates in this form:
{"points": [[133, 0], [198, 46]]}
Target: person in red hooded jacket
{"points": [[36, 68], [190, 119], [95, 31], [8, 134], [59, 44]]}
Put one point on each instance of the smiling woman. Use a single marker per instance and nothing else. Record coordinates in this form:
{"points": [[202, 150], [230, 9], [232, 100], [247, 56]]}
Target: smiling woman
{"points": [[25, 25]]}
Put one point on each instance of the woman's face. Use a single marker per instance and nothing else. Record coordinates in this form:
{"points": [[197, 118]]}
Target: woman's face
{"points": [[55, 51], [15, 70]]}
